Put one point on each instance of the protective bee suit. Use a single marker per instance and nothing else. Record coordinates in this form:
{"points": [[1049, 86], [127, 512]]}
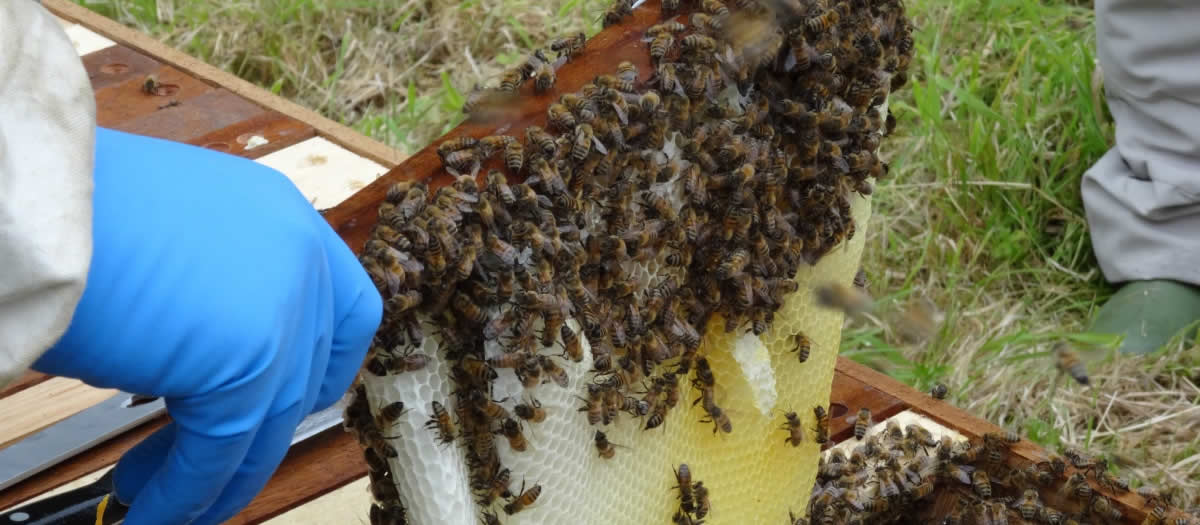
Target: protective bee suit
{"points": [[168, 270], [47, 132]]}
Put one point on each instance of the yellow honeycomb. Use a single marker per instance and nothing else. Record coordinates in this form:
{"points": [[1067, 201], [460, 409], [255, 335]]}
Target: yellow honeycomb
{"points": [[753, 476]]}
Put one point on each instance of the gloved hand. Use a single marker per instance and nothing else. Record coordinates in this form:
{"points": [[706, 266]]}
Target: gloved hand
{"points": [[215, 285]]}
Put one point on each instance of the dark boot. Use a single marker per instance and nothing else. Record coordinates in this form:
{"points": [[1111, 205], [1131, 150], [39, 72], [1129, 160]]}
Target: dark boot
{"points": [[1148, 314]]}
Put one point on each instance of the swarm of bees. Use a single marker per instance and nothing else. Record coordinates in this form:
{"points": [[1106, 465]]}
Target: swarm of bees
{"points": [[896, 475], [646, 207]]}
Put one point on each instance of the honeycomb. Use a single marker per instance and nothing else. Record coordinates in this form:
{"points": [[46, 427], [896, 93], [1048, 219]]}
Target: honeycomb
{"points": [[668, 226], [753, 476]]}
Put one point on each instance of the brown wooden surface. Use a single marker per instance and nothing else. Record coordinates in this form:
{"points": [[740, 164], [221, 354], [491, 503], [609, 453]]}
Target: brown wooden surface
{"points": [[853, 393], [1022, 453], [310, 470], [354, 217], [27, 380], [141, 43], [44, 404]]}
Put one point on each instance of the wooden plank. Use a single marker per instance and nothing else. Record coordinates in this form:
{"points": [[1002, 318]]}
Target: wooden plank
{"points": [[311, 469], [335, 132], [124, 102], [98, 457], [27, 380], [353, 218], [849, 394], [44, 404], [1021, 454], [194, 118], [258, 136], [117, 65]]}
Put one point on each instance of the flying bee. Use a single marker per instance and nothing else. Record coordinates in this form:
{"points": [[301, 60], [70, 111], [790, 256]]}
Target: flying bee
{"points": [[606, 448], [821, 431], [441, 423], [524, 499], [570, 46], [862, 422], [794, 428], [841, 297], [1068, 362]]}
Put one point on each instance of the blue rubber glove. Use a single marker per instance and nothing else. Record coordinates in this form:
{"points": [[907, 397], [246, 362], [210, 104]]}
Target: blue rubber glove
{"points": [[215, 285]]}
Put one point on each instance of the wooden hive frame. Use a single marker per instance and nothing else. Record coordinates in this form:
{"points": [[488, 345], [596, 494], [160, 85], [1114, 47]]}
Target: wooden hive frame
{"points": [[218, 110]]}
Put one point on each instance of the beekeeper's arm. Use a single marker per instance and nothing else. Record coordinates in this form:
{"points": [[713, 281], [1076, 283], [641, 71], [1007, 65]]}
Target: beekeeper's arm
{"points": [[47, 128], [212, 283]]}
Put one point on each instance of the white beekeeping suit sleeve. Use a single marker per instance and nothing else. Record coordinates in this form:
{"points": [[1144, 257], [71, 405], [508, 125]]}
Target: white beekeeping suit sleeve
{"points": [[47, 133]]}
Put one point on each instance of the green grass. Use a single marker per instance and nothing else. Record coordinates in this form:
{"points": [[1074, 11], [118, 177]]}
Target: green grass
{"points": [[981, 215]]}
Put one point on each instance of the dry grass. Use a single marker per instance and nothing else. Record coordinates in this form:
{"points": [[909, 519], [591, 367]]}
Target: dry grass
{"points": [[996, 129]]}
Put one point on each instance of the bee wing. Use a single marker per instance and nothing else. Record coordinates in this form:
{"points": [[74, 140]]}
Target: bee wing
{"points": [[599, 145], [621, 115]]}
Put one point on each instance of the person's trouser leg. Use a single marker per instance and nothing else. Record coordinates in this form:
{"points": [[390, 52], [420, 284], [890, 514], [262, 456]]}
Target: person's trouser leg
{"points": [[1143, 197]]}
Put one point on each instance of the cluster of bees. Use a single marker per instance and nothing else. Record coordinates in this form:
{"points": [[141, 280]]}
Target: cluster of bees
{"points": [[645, 209], [894, 476]]}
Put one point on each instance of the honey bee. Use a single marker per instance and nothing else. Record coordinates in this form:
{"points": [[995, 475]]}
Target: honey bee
{"points": [[714, 8], [544, 78], [803, 346], [440, 422], [511, 429], [390, 413], [593, 405], [514, 156], [1068, 362], [838, 296], [862, 423], [939, 391], [470, 311], [683, 480], [982, 484], [698, 44], [821, 431], [795, 430], [626, 75], [1156, 516], [603, 446], [476, 369], [584, 137], [524, 499], [560, 117], [702, 504], [556, 373], [570, 46], [820, 24]]}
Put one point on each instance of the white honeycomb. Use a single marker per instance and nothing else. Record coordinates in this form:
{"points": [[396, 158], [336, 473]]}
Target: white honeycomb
{"points": [[753, 476]]}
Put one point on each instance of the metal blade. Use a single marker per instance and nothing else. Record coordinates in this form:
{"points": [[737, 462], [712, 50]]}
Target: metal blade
{"points": [[106, 420], [75, 434]]}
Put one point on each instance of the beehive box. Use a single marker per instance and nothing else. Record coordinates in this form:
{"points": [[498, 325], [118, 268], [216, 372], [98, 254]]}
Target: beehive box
{"points": [[222, 112]]}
